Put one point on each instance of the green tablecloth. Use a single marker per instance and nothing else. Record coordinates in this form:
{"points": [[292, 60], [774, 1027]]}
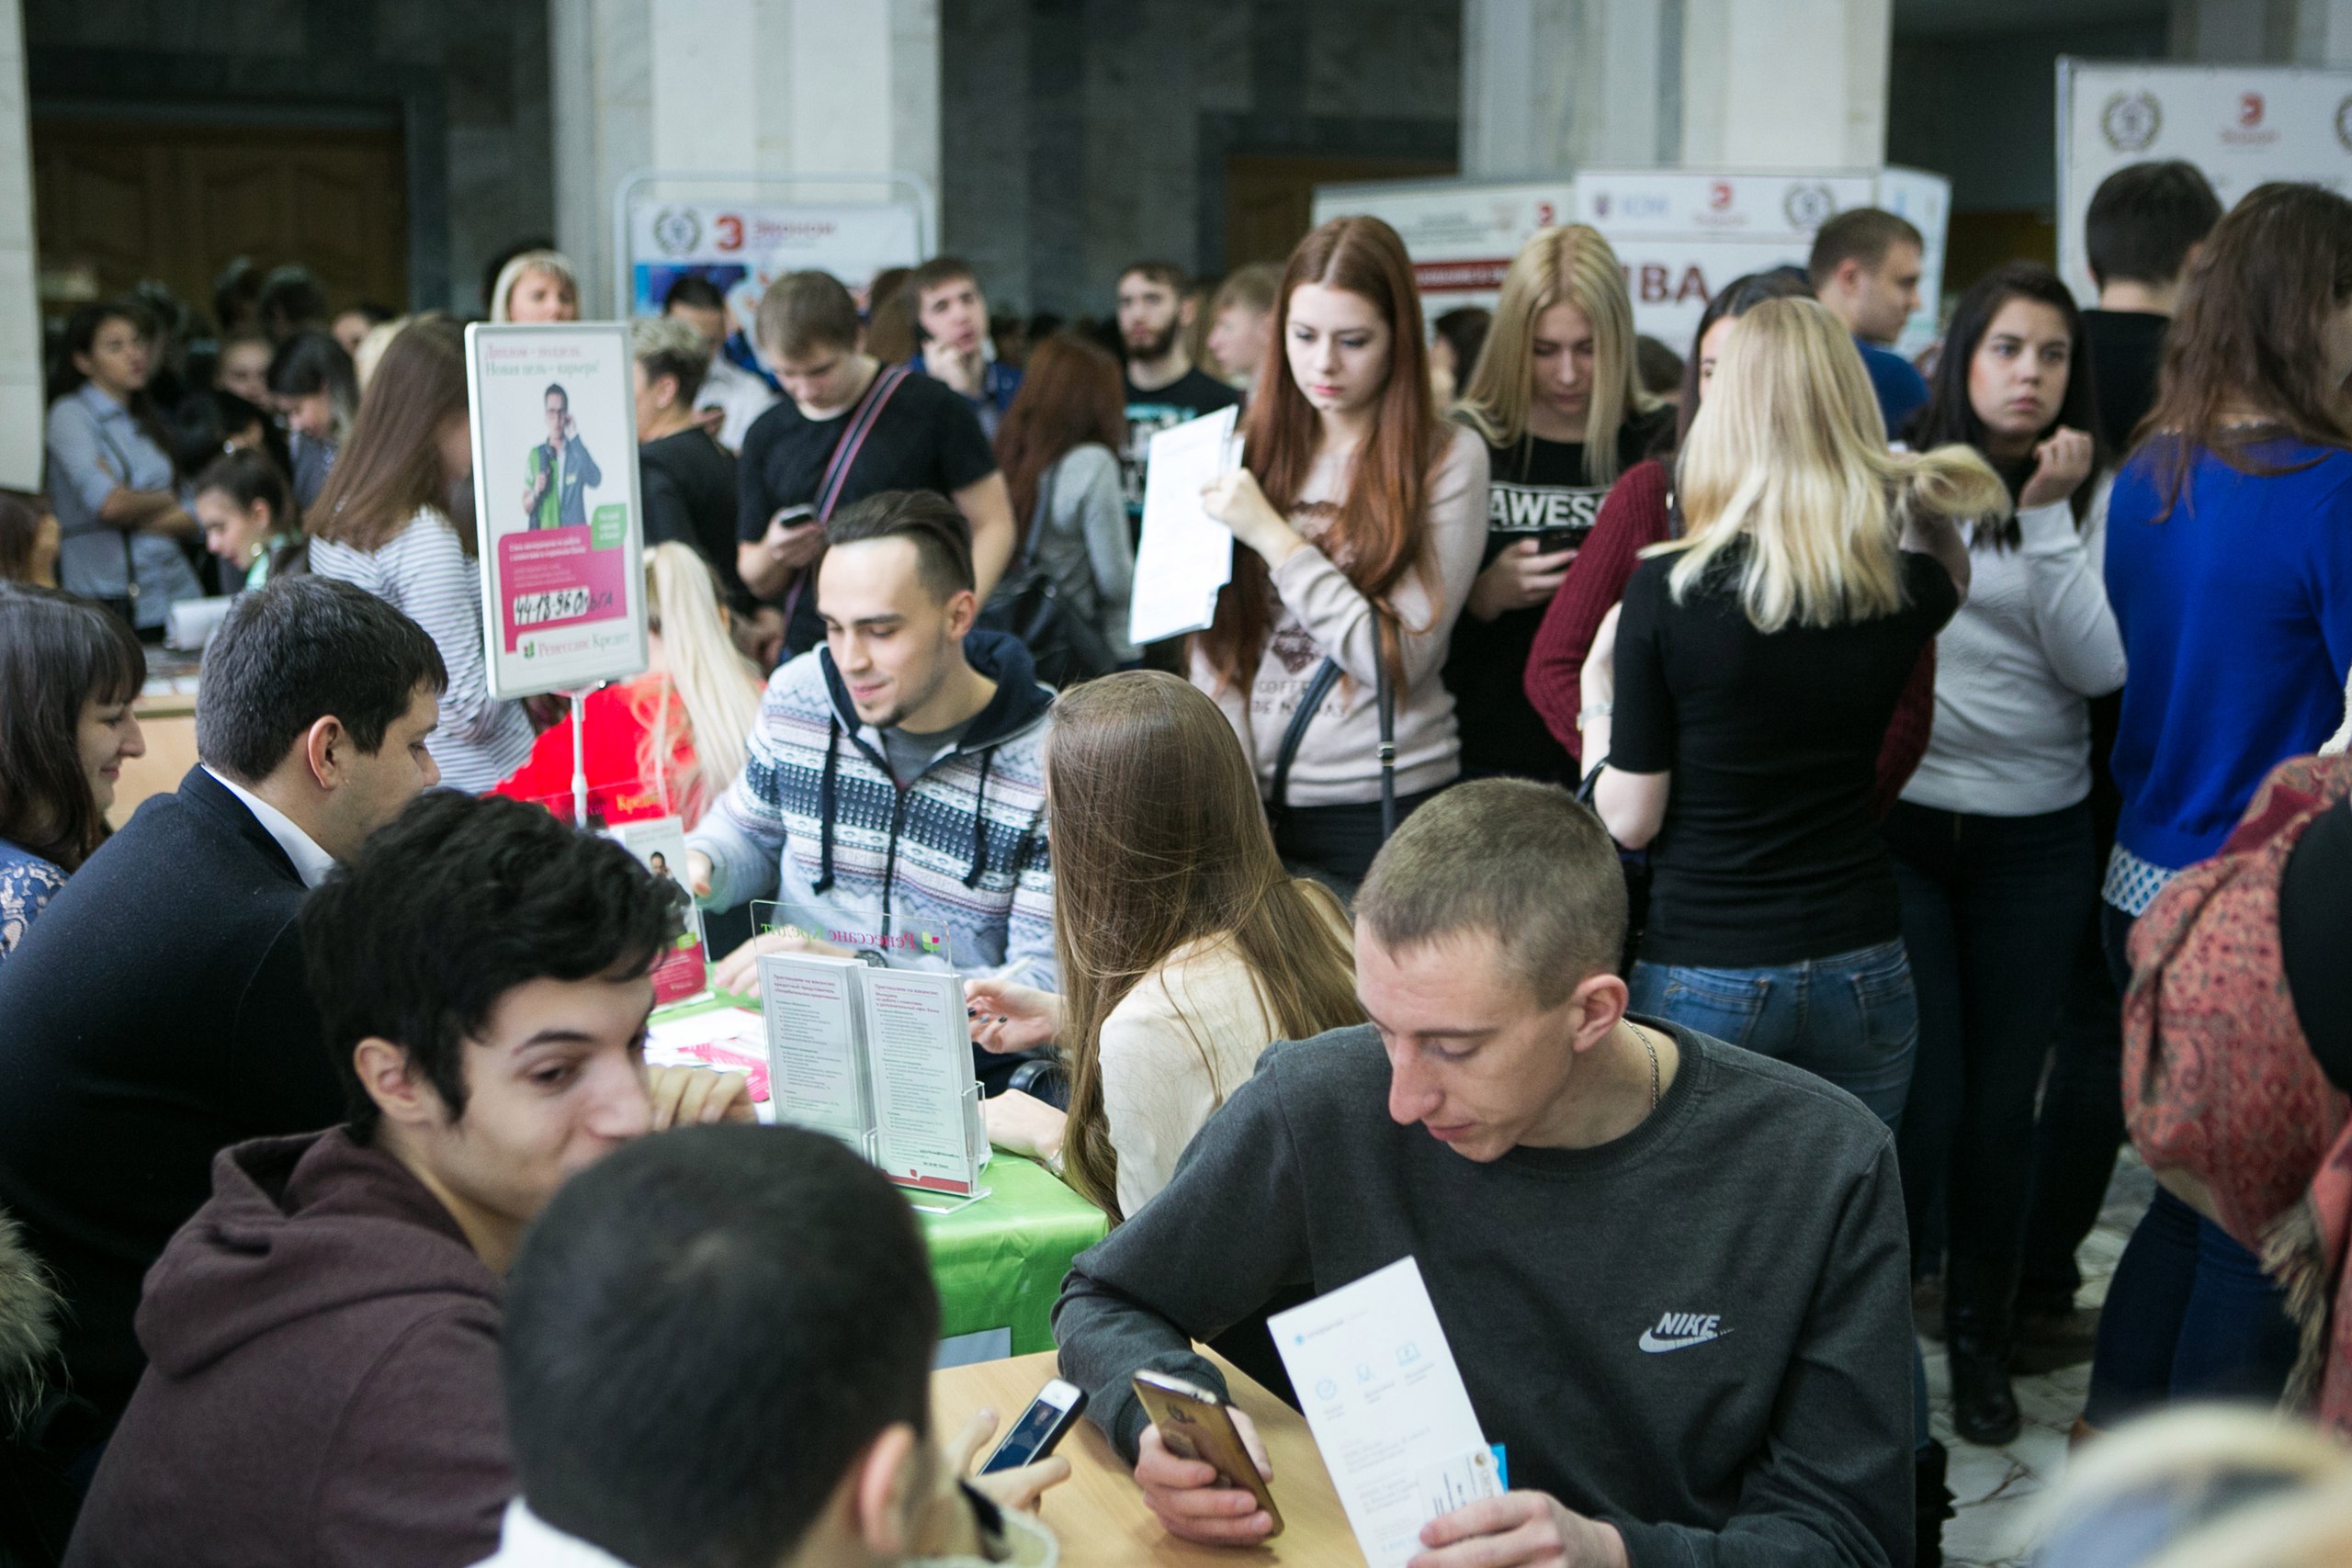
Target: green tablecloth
{"points": [[999, 1262]]}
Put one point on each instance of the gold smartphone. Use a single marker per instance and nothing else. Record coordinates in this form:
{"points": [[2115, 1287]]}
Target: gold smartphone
{"points": [[1196, 1424]]}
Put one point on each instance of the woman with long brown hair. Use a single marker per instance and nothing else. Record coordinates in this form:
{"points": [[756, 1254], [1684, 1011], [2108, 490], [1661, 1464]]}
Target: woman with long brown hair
{"points": [[384, 524], [1364, 517], [1059, 448], [1184, 947], [2229, 564]]}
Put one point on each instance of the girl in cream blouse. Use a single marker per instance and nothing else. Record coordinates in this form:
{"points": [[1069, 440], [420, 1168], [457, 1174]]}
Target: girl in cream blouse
{"points": [[1184, 945]]}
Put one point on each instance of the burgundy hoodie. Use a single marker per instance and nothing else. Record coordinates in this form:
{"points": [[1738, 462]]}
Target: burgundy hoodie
{"points": [[322, 1383]]}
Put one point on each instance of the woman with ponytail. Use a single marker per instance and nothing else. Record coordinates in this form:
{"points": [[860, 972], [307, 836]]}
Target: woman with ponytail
{"points": [[669, 742], [1364, 519]]}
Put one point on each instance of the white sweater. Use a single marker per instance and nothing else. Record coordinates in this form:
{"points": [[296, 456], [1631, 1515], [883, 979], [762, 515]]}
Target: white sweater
{"points": [[425, 573], [2012, 735], [1319, 614]]}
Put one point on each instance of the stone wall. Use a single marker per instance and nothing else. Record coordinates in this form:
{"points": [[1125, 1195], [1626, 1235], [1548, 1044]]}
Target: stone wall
{"points": [[1079, 135], [467, 80]]}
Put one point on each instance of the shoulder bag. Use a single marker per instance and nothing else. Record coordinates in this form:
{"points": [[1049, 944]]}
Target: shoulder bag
{"points": [[846, 447], [1310, 701], [1063, 645]]}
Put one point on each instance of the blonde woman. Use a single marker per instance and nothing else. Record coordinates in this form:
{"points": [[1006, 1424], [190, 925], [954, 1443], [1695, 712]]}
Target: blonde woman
{"points": [[1183, 946], [538, 286], [669, 742], [1555, 398], [1757, 661]]}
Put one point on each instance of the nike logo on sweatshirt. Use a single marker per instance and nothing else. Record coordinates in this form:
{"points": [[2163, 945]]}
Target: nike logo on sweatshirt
{"points": [[1681, 1330]]}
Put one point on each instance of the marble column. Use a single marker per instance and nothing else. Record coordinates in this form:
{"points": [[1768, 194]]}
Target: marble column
{"points": [[731, 87], [1554, 84], [20, 377]]}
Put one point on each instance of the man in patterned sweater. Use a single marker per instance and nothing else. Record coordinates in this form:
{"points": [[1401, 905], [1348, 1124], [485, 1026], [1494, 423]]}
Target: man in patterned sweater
{"points": [[898, 768]]}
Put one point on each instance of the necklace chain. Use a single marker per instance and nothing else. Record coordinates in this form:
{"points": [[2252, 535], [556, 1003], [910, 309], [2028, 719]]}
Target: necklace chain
{"points": [[1644, 1036]]}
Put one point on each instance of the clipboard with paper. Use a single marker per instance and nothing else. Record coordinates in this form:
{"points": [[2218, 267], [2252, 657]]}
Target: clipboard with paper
{"points": [[1185, 556]]}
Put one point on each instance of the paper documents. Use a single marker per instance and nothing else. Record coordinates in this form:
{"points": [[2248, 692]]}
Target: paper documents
{"points": [[1185, 555], [1388, 1408]]}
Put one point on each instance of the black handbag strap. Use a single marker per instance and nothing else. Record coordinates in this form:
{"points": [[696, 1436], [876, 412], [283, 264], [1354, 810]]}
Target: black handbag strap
{"points": [[1311, 700]]}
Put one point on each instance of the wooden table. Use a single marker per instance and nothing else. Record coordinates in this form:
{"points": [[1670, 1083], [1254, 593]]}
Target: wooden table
{"points": [[1099, 1512]]}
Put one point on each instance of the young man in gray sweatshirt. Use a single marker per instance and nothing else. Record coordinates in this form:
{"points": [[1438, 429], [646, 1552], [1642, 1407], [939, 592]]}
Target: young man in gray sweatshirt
{"points": [[1673, 1274]]}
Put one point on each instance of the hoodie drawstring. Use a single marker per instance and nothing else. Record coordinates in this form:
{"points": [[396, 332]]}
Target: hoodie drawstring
{"points": [[981, 823], [824, 882]]}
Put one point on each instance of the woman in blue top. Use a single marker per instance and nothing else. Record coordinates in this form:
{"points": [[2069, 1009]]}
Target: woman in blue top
{"points": [[2229, 561], [110, 478], [68, 672]]}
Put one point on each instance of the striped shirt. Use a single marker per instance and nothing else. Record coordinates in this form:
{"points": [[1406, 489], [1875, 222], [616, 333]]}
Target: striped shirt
{"points": [[425, 573]]}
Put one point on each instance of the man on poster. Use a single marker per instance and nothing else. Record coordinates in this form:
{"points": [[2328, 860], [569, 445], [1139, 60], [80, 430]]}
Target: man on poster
{"points": [[558, 473]]}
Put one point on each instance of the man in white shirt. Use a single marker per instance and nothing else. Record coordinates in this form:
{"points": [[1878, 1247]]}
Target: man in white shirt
{"points": [[168, 1014], [730, 397]]}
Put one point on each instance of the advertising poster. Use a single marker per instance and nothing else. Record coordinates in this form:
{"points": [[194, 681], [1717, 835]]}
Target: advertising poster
{"points": [[659, 845], [2240, 124], [1682, 234], [561, 535], [1460, 233], [743, 246]]}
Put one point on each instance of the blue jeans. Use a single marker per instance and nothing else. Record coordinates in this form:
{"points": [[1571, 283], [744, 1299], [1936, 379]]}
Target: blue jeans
{"points": [[1851, 1017], [2190, 1314]]}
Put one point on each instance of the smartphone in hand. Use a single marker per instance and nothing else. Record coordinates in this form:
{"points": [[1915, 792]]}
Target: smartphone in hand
{"points": [[1196, 1424], [1047, 1420]]}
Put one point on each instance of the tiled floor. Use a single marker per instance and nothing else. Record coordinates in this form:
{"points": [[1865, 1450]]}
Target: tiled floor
{"points": [[1994, 1486]]}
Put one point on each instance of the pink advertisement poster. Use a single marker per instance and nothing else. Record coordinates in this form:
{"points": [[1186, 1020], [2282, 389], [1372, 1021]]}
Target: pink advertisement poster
{"points": [[556, 505]]}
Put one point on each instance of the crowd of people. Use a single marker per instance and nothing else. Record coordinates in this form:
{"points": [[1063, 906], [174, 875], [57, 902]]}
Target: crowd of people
{"points": [[1737, 837]]}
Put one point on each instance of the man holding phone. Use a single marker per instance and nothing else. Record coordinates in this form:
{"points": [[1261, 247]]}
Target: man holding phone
{"points": [[850, 428], [1673, 1274]]}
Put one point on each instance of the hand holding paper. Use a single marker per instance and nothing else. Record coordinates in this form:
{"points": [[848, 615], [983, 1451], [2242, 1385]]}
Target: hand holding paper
{"points": [[1234, 499], [1185, 555], [1388, 1410]]}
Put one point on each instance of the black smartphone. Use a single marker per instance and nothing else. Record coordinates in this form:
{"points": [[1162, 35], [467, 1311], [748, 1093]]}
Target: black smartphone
{"points": [[1551, 541], [1049, 1416]]}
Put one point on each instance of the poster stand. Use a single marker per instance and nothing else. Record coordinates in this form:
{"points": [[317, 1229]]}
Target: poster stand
{"points": [[868, 1040]]}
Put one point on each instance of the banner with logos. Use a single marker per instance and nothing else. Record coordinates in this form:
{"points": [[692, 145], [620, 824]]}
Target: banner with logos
{"points": [[1460, 233], [745, 246], [1681, 235], [2241, 124]]}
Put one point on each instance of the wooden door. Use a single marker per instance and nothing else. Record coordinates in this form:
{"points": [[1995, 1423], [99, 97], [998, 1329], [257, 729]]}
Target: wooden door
{"points": [[120, 202], [1270, 198]]}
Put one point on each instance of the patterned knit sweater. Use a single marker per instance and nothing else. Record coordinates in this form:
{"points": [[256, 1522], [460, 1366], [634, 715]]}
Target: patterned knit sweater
{"points": [[815, 821]]}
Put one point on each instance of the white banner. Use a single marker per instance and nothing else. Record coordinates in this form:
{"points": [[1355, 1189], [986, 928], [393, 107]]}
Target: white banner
{"points": [[2242, 124], [745, 246], [1681, 235], [1460, 233]]}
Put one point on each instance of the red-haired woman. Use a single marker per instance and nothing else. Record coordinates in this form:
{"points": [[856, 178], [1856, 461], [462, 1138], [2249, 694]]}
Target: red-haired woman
{"points": [[1059, 449], [1365, 517]]}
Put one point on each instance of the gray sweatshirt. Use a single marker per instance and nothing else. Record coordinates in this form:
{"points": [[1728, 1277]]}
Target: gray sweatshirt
{"points": [[1699, 1333]]}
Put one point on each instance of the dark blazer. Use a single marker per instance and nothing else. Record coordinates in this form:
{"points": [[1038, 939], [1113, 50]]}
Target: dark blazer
{"points": [[157, 1012]]}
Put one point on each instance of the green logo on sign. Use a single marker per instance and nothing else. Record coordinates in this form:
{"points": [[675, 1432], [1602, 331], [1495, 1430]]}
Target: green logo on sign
{"points": [[608, 526]]}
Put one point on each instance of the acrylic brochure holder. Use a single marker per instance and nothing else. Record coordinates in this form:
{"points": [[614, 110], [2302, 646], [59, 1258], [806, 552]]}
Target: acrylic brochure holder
{"points": [[869, 1041]]}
